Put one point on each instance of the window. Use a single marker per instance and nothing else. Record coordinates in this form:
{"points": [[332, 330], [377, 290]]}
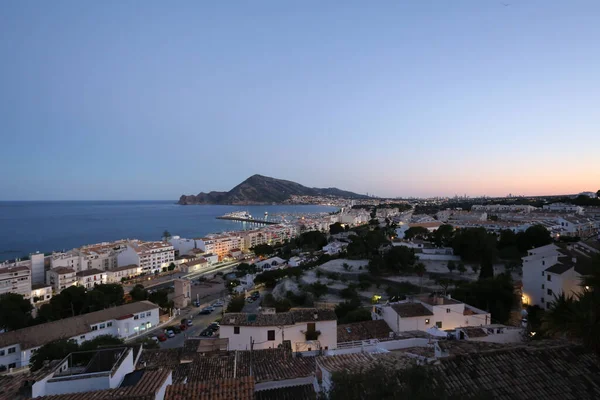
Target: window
{"points": [[12, 365], [439, 324], [82, 337], [11, 350], [270, 335], [149, 313], [94, 327], [543, 262], [311, 327], [448, 311], [108, 324], [549, 278], [2, 352], [236, 330], [136, 317], [542, 273], [542, 300], [549, 292], [426, 321], [102, 326], [543, 286]]}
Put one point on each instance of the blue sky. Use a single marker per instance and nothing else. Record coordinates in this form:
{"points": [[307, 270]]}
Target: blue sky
{"points": [[149, 100]]}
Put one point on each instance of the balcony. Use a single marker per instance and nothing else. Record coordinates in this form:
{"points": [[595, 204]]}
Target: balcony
{"points": [[312, 335]]}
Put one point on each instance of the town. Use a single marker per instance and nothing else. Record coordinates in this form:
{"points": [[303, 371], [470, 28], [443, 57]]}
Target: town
{"points": [[366, 299]]}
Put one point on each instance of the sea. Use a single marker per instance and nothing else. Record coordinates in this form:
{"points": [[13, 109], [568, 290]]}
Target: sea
{"points": [[46, 226]]}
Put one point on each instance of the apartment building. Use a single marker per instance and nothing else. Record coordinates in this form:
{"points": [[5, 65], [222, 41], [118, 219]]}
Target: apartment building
{"points": [[61, 278], [35, 262], [577, 226], [503, 208], [90, 278], [549, 271], [41, 293], [305, 329], [16, 347], [421, 313], [116, 275], [102, 256], [16, 280], [150, 256], [220, 245], [563, 208]]}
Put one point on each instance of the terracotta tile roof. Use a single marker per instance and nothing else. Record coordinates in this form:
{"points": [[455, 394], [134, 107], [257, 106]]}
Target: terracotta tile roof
{"points": [[474, 332], [285, 318], [376, 329], [301, 392], [223, 389], [144, 389], [557, 373], [354, 362], [408, 310], [89, 272], [63, 270], [13, 269], [38, 335]]}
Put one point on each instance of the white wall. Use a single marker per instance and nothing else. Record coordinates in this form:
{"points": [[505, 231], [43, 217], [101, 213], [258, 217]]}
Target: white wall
{"points": [[182, 245], [127, 257], [241, 341], [38, 275], [7, 358], [160, 394], [437, 257], [77, 385]]}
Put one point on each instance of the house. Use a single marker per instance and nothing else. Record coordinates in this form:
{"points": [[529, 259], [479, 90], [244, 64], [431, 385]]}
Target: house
{"points": [[564, 208], [232, 388], [421, 313], [578, 226], [61, 278], [235, 253], [152, 257], [194, 265], [41, 293], [117, 275], [211, 258], [182, 245], [123, 321], [549, 271], [107, 373], [335, 248], [305, 329], [90, 278], [273, 262], [364, 330], [16, 280]]}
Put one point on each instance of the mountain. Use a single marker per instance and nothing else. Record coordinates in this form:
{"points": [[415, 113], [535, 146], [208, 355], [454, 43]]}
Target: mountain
{"points": [[260, 189]]}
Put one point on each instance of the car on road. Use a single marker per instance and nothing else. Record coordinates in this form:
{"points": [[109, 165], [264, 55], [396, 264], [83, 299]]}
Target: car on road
{"points": [[155, 338], [196, 303], [190, 322], [170, 334], [218, 303], [204, 311], [210, 308], [206, 332], [175, 329], [250, 300], [162, 337], [255, 295], [183, 327]]}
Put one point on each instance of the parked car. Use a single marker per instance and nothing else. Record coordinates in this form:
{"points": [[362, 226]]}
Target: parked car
{"points": [[210, 308], [204, 311], [196, 303], [218, 303], [170, 334], [162, 337], [190, 322], [176, 329], [250, 300], [255, 294], [215, 324], [155, 338], [206, 332]]}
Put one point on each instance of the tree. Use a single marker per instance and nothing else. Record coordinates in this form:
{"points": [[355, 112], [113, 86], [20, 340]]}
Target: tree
{"points": [[15, 311], [70, 302], [113, 294], [494, 294], [264, 250], [138, 293], [236, 304], [399, 258], [171, 267], [474, 244], [451, 266], [487, 269], [534, 236], [475, 268], [598, 193], [160, 298], [415, 231], [336, 228], [56, 350], [99, 342], [317, 289], [461, 268], [442, 236], [166, 235], [420, 269]]}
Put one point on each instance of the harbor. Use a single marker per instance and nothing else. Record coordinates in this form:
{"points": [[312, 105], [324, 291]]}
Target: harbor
{"points": [[243, 216]]}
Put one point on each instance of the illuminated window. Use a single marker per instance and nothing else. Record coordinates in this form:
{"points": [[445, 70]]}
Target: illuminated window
{"points": [[426, 321]]}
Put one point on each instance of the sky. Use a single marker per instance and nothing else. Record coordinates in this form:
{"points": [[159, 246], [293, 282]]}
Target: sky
{"points": [[129, 100]]}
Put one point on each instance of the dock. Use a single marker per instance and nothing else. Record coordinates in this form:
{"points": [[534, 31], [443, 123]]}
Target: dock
{"points": [[249, 220]]}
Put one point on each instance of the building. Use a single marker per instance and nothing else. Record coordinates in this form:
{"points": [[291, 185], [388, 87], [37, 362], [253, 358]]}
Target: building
{"points": [[563, 208], [152, 257], [194, 265], [182, 245], [61, 278], [35, 262], [123, 321], [16, 280], [102, 256], [549, 271], [41, 293], [183, 293], [220, 245], [305, 329], [101, 374], [211, 258], [503, 208], [90, 278], [335, 248], [117, 275], [578, 226], [421, 313]]}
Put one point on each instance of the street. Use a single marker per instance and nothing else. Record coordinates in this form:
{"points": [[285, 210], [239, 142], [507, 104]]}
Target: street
{"points": [[200, 322]]}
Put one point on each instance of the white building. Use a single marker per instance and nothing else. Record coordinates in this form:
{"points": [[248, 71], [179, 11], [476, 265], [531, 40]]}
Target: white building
{"points": [[41, 293], [220, 245], [123, 321], [306, 329], [182, 245], [109, 373], [562, 207], [102, 256], [194, 265], [335, 247], [578, 226], [16, 280], [90, 278], [116, 275], [35, 263], [503, 208], [150, 256], [549, 271], [211, 258], [61, 278], [423, 312]]}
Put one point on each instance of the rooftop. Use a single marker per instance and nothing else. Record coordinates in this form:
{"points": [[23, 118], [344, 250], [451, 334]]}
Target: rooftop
{"points": [[38, 335], [375, 329], [13, 269], [286, 318], [437, 300], [408, 310], [63, 270], [89, 272], [301, 392], [124, 268], [222, 389]]}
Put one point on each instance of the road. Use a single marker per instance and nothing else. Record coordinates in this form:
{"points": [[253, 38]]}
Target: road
{"points": [[200, 323]]}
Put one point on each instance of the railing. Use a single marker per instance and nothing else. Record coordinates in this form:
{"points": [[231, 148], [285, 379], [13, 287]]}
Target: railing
{"points": [[358, 343]]}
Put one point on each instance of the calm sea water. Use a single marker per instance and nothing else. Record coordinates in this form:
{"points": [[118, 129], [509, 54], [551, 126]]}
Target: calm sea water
{"points": [[57, 225]]}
